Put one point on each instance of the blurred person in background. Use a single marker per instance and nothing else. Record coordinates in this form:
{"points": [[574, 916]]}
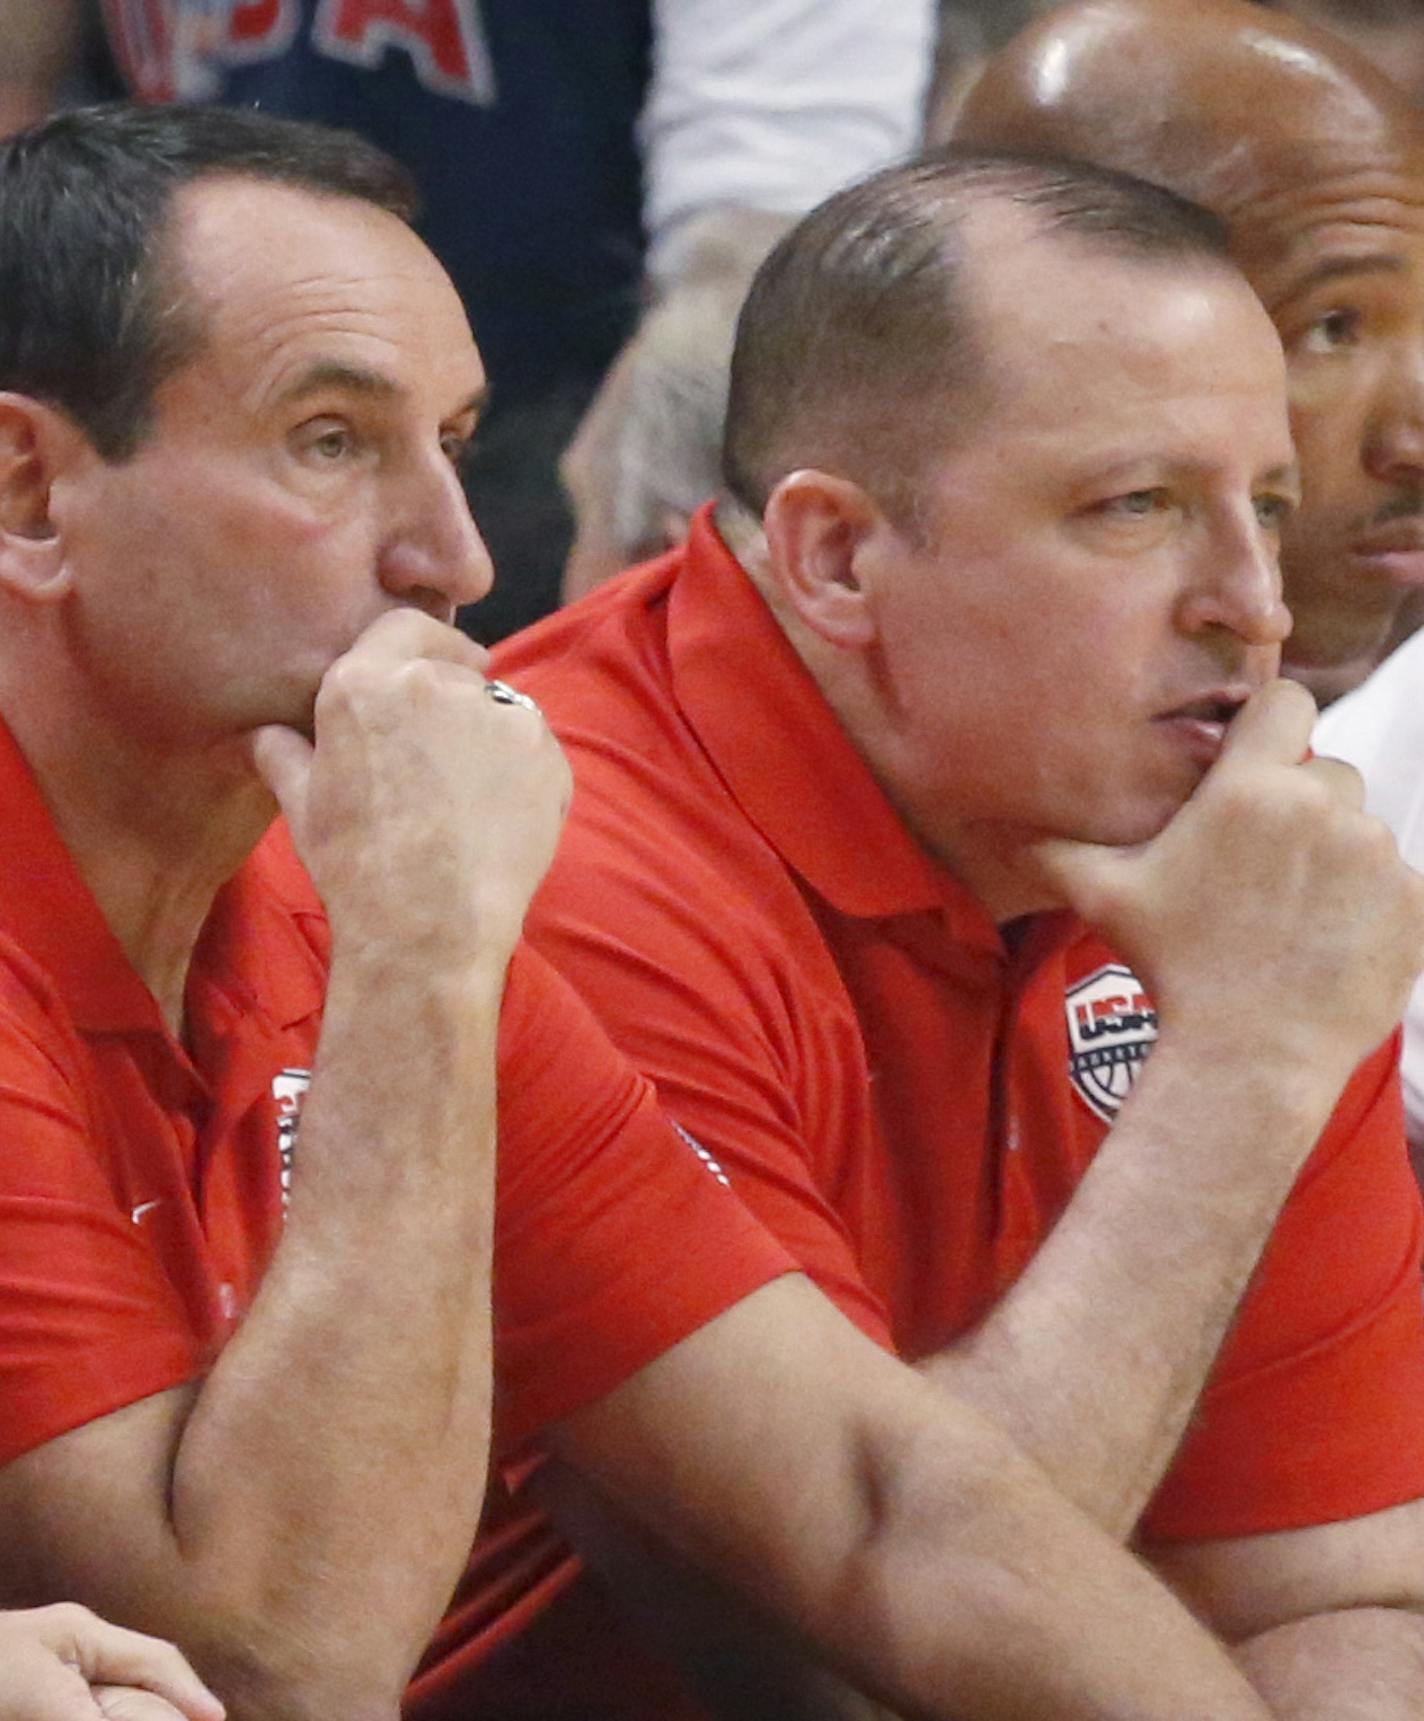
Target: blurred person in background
{"points": [[1388, 32], [647, 452]]}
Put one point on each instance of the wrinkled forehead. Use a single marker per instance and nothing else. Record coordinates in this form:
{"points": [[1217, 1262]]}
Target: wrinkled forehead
{"points": [[1273, 108], [1316, 199]]}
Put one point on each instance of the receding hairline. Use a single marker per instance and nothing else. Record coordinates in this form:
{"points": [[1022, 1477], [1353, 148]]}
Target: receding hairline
{"points": [[189, 305], [950, 197]]}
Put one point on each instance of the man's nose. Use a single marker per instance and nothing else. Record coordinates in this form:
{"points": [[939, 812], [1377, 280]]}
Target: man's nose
{"points": [[1236, 587], [1394, 445], [434, 555]]}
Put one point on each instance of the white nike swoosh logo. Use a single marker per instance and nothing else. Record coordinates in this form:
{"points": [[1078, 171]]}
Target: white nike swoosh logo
{"points": [[142, 1208]]}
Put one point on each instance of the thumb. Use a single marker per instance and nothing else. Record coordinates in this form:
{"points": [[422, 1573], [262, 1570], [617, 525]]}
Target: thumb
{"points": [[124, 1703], [47, 1690], [283, 759], [1273, 726], [1083, 876]]}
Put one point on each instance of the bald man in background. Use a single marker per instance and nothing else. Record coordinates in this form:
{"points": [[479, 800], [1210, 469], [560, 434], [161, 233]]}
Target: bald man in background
{"points": [[1388, 32], [1316, 161]]}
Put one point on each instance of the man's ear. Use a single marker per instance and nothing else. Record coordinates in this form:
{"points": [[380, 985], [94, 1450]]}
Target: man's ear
{"points": [[819, 529], [36, 442]]}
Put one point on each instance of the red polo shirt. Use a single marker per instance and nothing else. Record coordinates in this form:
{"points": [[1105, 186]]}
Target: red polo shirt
{"points": [[141, 1184], [905, 1102]]}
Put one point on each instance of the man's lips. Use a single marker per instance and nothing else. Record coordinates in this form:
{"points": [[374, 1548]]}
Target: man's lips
{"points": [[1394, 549], [1200, 725]]}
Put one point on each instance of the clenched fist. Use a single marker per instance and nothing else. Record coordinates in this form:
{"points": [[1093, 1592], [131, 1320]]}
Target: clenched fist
{"points": [[426, 811], [1271, 917]]}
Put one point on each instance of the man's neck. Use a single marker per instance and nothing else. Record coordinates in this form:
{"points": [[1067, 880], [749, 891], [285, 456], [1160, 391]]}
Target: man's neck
{"points": [[154, 835]]}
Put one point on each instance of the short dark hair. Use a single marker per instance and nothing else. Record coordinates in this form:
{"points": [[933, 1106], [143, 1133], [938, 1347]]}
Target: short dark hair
{"points": [[92, 313], [857, 343]]}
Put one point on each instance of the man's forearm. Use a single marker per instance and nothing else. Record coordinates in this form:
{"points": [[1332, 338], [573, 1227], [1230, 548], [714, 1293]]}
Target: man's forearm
{"points": [[1094, 1361], [1024, 1609], [1360, 1664], [327, 1484], [911, 1543]]}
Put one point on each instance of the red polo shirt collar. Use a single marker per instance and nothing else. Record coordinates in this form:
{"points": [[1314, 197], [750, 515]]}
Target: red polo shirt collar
{"points": [[48, 910], [787, 761]]}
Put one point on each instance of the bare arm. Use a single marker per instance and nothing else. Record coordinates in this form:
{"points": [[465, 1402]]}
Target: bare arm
{"points": [[1279, 932], [37, 46], [900, 1536], [296, 1521], [1328, 1622], [741, 1664]]}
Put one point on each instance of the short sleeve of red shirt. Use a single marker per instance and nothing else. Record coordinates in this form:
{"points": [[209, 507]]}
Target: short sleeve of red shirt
{"points": [[721, 1040], [1316, 1409], [89, 1322], [613, 1239]]}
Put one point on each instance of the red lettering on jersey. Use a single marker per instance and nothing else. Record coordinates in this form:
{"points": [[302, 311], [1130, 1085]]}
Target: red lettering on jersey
{"points": [[143, 46], [444, 38], [255, 20]]}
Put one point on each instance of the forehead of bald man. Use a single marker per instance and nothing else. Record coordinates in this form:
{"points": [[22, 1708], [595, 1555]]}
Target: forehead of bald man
{"points": [[1222, 101]]}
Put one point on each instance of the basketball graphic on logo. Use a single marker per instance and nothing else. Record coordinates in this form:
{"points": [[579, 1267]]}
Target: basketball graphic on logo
{"points": [[1112, 1024]]}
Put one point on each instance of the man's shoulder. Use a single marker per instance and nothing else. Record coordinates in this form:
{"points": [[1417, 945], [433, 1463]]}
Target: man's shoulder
{"points": [[580, 658]]}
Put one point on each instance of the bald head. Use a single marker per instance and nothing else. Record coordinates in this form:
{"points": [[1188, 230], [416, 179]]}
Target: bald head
{"points": [[1220, 100]]}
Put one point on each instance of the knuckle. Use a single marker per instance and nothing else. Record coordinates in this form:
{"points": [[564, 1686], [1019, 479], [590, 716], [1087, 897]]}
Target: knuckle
{"points": [[1239, 797], [345, 680], [419, 677], [1346, 778], [1379, 840], [70, 1616]]}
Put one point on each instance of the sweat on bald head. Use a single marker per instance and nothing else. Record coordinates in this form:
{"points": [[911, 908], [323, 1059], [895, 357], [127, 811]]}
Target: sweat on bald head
{"points": [[863, 348], [1222, 100], [92, 308]]}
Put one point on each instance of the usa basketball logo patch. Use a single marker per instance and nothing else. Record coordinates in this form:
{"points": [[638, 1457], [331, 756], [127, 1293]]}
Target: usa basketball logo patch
{"points": [[1112, 1024], [289, 1089]]}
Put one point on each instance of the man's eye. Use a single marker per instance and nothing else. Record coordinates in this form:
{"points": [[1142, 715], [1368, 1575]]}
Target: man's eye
{"points": [[457, 449], [1328, 334], [1135, 504], [1273, 511], [324, 441], [331, 445]]}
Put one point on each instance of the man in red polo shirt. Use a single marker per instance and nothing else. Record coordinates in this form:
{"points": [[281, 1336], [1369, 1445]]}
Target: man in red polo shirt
{"points": [[940, 779], [245, 1252]]}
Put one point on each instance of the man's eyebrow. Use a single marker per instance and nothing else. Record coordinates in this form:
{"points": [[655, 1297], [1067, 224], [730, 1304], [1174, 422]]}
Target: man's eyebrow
{"points": [[333, 374], [1351, 263], [336, 375]]}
